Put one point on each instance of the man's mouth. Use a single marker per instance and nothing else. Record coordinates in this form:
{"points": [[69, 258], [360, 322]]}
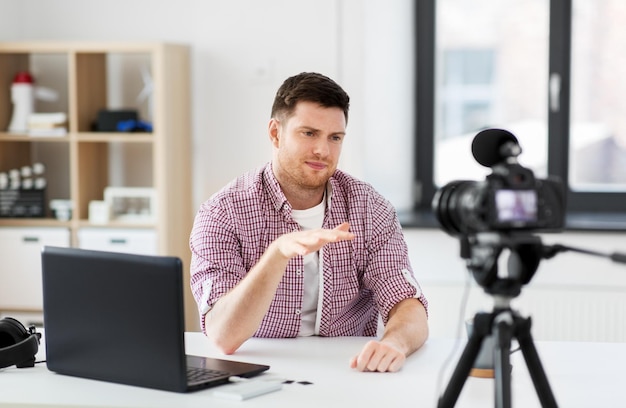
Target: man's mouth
{"points": [[316, 165]]}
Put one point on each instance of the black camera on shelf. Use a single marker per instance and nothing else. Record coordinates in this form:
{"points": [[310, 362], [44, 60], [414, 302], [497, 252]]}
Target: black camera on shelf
{"points": [[509, 199]]}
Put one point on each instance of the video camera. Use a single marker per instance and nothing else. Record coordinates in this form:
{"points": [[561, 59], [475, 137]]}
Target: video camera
{"points": [[488, 217], [509, 199]]}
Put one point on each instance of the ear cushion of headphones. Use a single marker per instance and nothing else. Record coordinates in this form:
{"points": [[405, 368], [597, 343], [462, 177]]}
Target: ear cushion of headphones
{"points": [[18, 346]]}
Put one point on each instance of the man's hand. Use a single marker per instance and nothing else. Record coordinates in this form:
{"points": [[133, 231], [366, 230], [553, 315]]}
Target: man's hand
{"points": [[405, 332], [306, 242], [378, 356]]}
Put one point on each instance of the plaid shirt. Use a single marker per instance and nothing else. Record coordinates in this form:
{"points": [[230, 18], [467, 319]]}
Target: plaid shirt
{"points": [[361, 278]]}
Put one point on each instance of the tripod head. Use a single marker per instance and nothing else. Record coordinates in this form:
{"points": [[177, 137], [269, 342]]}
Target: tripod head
{"points": [[482, 250]]}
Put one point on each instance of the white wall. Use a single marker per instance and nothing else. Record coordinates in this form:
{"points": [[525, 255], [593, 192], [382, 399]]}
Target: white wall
{"points": [[241, 51], [10, 29]]}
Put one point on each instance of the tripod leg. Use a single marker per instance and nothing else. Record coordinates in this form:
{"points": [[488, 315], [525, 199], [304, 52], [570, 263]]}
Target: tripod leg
{"points": [[482, 326], [534, 364], [503, 333]]}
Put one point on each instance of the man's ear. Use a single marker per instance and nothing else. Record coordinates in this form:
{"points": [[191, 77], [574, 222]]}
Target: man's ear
{"points": [[273, 130]]}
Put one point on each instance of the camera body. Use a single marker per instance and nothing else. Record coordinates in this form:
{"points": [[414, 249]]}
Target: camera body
{"points": [[509, 199]]}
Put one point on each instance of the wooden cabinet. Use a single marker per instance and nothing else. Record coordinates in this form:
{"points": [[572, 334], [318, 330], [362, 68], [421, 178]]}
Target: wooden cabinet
{"points": [[87, 78]]}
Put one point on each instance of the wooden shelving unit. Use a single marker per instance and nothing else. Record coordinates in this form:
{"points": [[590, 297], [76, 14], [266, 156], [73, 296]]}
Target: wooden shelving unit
{"points": [[80, 162]]}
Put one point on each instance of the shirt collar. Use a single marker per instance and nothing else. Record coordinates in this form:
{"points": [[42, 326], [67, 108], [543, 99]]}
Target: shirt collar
{"points": [[275, 192]]}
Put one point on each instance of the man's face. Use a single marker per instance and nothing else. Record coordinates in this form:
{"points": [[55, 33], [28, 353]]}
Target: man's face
{"points": [[307, 145]]}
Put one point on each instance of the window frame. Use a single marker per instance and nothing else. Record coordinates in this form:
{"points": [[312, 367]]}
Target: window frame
{"points": [[584, 210]]}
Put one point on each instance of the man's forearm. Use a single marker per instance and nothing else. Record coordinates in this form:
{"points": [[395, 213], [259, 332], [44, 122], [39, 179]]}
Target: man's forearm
{"points": [[237, 315], [407, 327]]}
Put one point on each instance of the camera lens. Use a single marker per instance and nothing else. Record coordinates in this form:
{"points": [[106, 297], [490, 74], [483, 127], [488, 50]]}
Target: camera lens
{"points": [[460, 207]]}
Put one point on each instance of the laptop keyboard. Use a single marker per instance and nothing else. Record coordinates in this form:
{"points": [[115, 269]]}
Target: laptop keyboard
{"points": [[196, 375]]}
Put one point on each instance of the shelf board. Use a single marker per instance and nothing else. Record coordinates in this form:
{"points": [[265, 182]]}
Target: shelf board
{"points": [[65, 47], [33, 222], [53, 222], [23, 137], [135, 137], [116, 224]]}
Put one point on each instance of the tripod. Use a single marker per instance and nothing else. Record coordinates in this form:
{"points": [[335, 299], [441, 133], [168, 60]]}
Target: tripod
{"points": [[503, 322], [481, 251]]}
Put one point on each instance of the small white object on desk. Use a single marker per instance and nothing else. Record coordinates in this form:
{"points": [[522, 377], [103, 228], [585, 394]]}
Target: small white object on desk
{"points": [[245, 389]]}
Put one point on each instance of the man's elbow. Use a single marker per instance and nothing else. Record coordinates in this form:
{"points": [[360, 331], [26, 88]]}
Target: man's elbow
{"points": [[226, 342], [227, 347]]}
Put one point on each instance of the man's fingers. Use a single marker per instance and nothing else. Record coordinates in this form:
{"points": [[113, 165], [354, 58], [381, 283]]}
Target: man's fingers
{"points": [[305, 242], [317, 238], [377, 356], [363, 359]]}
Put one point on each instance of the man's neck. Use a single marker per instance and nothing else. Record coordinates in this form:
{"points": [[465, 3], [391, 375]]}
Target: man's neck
{"points": [[304, 199]]}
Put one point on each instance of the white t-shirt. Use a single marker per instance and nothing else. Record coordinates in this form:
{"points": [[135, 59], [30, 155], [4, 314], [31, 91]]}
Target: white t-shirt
{"points": [[309, 219]]}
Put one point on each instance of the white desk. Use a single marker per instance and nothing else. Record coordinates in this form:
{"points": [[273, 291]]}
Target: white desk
{"points": [[580, 375]]}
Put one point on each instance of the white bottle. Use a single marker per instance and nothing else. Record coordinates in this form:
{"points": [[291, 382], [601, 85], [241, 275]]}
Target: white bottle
{"points": [[23, 98]]}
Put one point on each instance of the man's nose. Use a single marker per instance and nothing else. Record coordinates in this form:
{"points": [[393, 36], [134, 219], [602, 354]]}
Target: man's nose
{"points": [[321, 147]]}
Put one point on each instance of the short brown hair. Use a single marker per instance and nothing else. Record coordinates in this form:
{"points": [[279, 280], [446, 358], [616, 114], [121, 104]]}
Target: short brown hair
{"points": [[310, 87]]}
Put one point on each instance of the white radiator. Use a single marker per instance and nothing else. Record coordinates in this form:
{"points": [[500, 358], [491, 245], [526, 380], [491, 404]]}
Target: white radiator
{"points": [[572, 314], [557, 313]]}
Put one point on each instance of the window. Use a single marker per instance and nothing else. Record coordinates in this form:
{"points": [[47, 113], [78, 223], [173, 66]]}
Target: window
{"points": [[598, 98], [549, 71], [467, 90]]}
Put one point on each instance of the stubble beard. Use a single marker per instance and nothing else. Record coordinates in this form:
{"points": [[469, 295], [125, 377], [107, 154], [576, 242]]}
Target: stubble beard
{"points": [[301, 181]]}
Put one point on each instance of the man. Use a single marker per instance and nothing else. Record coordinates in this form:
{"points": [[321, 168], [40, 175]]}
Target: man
{"points": [[299, 248]]}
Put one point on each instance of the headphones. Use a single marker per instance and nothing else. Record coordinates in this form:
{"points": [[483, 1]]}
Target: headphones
{"points": [[18, 345]]}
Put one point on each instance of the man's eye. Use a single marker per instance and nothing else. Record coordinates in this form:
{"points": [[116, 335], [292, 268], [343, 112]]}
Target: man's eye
{"points": [[337, 138], [306, 133]]}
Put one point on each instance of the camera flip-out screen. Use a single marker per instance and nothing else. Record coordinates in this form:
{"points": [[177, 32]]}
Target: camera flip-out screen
{"points": [[516, 205]]}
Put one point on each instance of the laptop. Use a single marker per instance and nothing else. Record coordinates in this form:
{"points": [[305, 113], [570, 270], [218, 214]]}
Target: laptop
{"points": [[119, 317]]}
